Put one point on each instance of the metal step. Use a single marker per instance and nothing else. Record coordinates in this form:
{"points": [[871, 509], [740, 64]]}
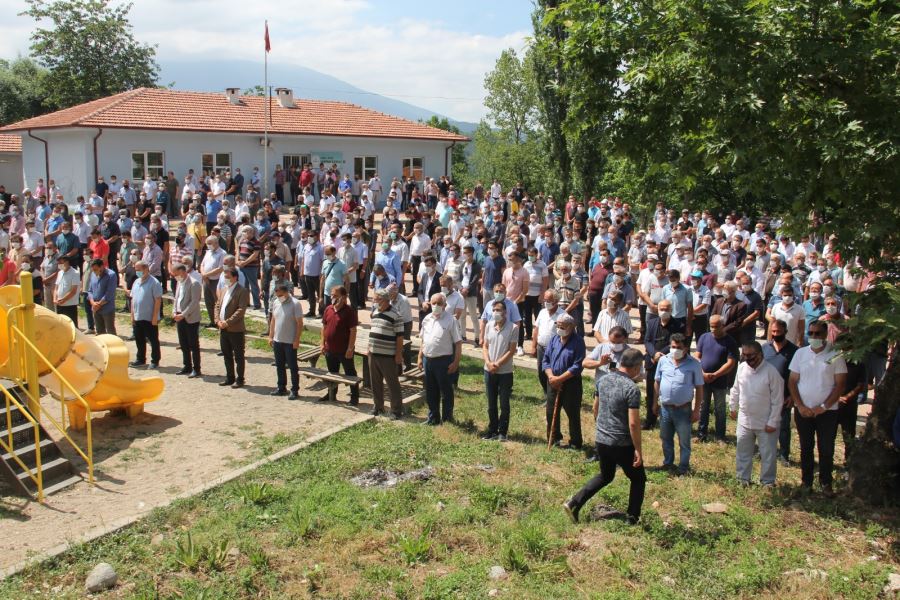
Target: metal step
{"points": [[27, 453], [62, 484], [51, 470], [16, 428]]}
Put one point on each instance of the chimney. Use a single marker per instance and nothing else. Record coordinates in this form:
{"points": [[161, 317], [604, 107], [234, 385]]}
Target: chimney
{"points": [[233, 95], [285, 97]]}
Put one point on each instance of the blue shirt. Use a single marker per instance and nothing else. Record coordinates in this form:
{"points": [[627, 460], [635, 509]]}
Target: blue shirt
{"points": [[512, 311], [561, 357], [812, 314], [616, 248], [334, 275], [381, 282], [313, 256], [493, 272], [143, 295], [677, 382], [212, 210], [391, 262], [681, 297], [104, 288]]}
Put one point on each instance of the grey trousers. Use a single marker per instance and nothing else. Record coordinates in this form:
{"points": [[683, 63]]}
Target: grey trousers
{"points": [[105, 323], [384, 369], [747, 440]]}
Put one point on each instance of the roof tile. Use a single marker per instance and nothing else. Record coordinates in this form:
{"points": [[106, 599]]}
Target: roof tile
{"points": [[10, 143]]}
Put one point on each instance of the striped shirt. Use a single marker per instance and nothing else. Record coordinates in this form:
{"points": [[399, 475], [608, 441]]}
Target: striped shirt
{"points": [[607, 321], [386, 327]]}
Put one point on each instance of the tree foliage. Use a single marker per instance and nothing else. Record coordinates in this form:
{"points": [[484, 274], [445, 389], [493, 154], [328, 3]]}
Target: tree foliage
{"points": [[89, 49], [511, 95], [457, 153], [22, 93]]}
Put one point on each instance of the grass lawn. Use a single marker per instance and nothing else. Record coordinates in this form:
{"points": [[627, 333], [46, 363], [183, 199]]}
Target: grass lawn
{"points": [[298, 528]]}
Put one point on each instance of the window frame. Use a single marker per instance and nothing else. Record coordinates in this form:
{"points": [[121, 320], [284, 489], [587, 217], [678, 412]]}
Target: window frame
{"points": [[146, 166], [216, 168], [365, 173], [305, 159], [407, 171]]}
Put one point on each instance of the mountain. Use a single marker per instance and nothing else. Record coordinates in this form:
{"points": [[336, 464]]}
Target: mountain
{"points": [[203, 76]]}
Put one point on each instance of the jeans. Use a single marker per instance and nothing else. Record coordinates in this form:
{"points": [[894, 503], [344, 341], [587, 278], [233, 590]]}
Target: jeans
{"points": [[718, 397], [286, 360], [498, 387], [438, 388], [818, 432], [521, 307], [747, 440], [610, 457], [334, 362], [650, 367], [145, 331], [569, 401], [232, 346], [784, 433], [251, 274], [671, 421], [88, 311], [189, 340], [312, 292], [531, 309]]}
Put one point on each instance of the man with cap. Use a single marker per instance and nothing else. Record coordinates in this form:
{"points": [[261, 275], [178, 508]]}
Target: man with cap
{"points": [[186, 313], [439, 354], [562, 365], [385, 354]]}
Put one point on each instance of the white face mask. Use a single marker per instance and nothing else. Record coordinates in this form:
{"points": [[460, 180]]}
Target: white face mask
{"points": [[787, 300], [562, 332], [617, 347], [816, 343], [831, 309], [550, 306], [437, 309], [665, 314], [815, 295], [678, 353]]}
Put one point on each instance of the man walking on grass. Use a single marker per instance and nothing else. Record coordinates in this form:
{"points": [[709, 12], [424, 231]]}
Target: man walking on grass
{"points": [[618, 440]]}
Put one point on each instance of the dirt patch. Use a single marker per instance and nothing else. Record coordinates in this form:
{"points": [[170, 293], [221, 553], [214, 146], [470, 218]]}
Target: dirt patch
{"points": [[381, 478], [195, 433]]}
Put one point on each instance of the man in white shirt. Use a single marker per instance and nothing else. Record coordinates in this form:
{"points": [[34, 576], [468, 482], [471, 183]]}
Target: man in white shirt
{"points": [[68, 287], [375, 188], [439, 355], [756, 401], [614, 314], [544, 329], [456, 304], [496, 190], [817, 378], [217, 188]]}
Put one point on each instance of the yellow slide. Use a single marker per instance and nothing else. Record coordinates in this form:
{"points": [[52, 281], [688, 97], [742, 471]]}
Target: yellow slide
{"points": [[95, 366]]}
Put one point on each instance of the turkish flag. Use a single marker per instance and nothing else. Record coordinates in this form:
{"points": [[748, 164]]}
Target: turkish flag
{"points": [[268, 43]]}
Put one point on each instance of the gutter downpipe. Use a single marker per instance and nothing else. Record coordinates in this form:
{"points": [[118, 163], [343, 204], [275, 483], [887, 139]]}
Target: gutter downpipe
{"points": [[46, 154], [447, 157], [96, 164]]}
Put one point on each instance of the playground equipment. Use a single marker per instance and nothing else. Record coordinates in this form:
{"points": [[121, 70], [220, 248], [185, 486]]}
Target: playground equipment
{"points": [[85, 374]]}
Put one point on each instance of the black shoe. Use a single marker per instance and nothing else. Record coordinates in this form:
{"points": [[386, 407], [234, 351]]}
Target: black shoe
{"points": [[130, 338], [220, 354], [137, 363], [293, 396], [681, 472], [489, 437], [238, 384], [183, 371], [377, 411], [430, 422], [278, 392], [153, 365], [571, 509], [309, 315], [702, 439], [226, 382], [501, 437], [354, 402], [396, 417], [647, 426], [195, 375]]}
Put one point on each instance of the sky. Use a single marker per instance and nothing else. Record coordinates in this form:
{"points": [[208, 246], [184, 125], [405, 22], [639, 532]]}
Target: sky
{"points": [[430, 53]]}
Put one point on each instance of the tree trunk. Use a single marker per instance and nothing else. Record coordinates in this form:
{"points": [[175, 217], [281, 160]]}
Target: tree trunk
{"points": [[874, 462]]}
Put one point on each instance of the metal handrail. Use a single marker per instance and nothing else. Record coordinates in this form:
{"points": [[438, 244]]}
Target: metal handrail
{"points": [[10, 447], [89, 456]]}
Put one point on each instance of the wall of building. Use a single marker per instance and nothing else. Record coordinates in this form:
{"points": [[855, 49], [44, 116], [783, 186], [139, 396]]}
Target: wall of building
{"points": [[11, 171], [71, 160]]}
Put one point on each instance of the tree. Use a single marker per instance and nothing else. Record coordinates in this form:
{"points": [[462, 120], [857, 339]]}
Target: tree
{"points": [[496, 156], [22, 94], [256, 90], [89, 49], [511, 96], [460, 174], [792, 102]]}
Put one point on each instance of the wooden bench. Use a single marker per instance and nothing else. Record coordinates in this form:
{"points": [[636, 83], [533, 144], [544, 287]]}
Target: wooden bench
{"points": [[333, 380], [415, 373], [311, 356]]}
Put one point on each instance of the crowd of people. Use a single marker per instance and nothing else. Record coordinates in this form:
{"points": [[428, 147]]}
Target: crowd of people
{"points": [[722, 315]]}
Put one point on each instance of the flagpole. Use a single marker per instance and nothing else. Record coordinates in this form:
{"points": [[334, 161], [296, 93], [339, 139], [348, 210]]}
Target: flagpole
{"points": [[266, 115]]}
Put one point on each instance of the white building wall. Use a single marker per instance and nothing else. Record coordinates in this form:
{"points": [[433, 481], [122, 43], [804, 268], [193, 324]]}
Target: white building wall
{"points": [[72, 160], [11, 171]]}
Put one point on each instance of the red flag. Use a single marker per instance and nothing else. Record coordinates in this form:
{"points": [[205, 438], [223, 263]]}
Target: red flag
{"points": [[268, 44]]}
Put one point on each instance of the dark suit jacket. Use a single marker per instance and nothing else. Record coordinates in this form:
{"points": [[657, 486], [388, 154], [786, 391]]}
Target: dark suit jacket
{"points": [[734, 319], [234, 311], [657, 338], [475, 280], [428, 288]]}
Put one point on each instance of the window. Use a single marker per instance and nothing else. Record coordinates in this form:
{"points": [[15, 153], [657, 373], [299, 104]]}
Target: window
{"points": [[216, 163], [143, 163], [412, 167], [295, 160], [365, 167]]}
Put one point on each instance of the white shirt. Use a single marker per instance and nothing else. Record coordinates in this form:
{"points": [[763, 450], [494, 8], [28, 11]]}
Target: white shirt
{"points": [[402, 250], [545, 325], [401, 305], [758, 396], [418, 244], [817, 373], [792, 317], [495, 190], [212, 260], [65, 281], [218, 190], [607, 321], [226, 298], [439, 335]]}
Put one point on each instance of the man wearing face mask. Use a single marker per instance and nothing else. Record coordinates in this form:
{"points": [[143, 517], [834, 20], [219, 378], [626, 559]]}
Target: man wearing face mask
{"points": [[562, 365], [612, 316], [285, 327], [229, 312], [210, 271], [606, 355], [497, 350], [470, 284], [186, 313], [544, 329], [310, 267], [814, 307], [146, 299], [66, 290], [334, 273], [682, 301], [792, 314], [818, 375], [348, 255], [779, 352], [439, 355], [338, 340], [718, 356], [679, 378], [732, 312]]}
